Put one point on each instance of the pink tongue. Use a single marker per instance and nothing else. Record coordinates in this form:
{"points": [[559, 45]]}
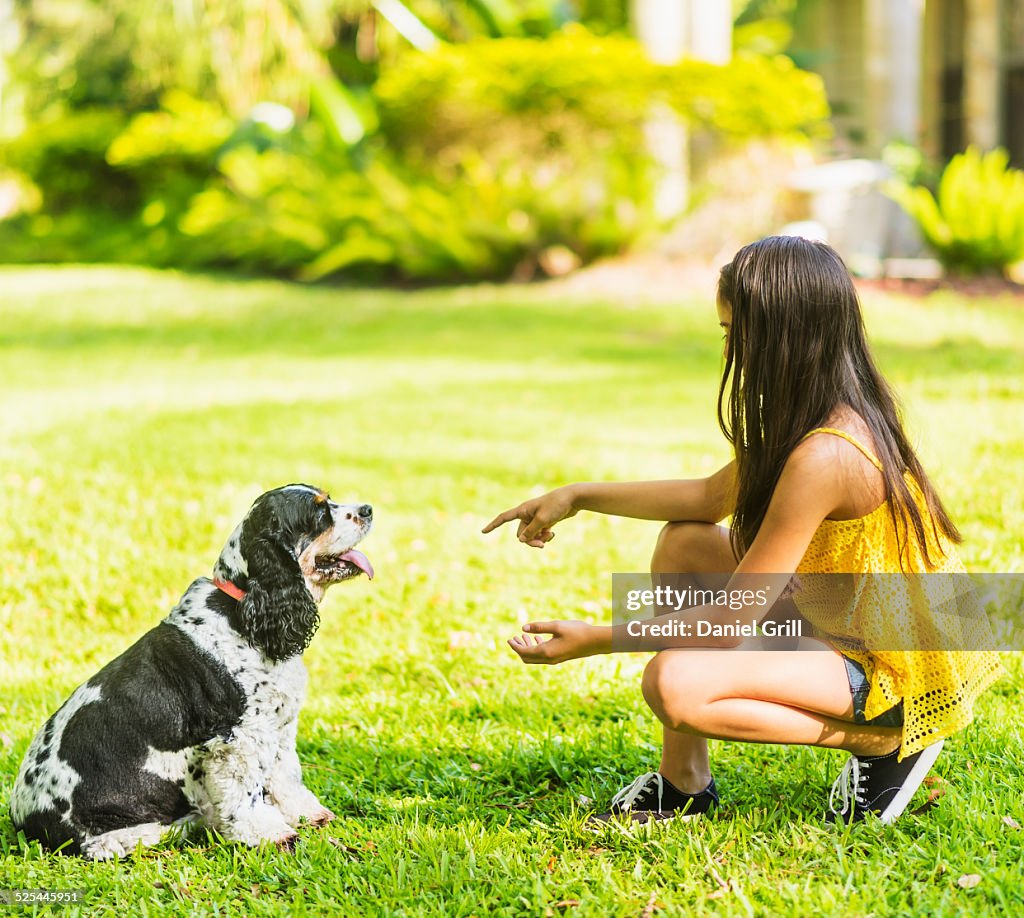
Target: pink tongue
{"points": [[359, 560]]}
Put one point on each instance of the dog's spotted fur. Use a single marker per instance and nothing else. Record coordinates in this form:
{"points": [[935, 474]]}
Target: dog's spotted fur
{"points": [[196, 722]]}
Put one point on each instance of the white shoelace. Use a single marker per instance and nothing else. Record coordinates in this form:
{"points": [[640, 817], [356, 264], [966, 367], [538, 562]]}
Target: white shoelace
{"points": [[629, 795], [849, 786]]}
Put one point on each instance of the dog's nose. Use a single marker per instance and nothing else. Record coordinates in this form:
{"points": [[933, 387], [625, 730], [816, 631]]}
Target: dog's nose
{"points": [[366, 511]]}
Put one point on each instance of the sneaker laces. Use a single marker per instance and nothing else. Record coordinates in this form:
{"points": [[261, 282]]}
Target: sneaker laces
{"points": [[849, 786], [643, 785]]}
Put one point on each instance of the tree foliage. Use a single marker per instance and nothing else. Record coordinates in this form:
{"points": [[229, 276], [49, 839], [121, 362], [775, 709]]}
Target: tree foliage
{"points": [[211, 132]]}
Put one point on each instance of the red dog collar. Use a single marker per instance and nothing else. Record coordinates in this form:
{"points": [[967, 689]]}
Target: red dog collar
{"points": [[226, 586]]}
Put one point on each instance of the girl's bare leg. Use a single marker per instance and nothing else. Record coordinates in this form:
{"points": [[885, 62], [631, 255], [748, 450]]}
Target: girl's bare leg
{"points": [[800, 696], [693, 548], [699, 694]]}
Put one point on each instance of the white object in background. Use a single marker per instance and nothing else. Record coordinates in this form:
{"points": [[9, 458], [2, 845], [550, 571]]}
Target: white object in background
{"points": [[806, 229], [845, 197], [277, 117], [407, 24], [670, 30]]}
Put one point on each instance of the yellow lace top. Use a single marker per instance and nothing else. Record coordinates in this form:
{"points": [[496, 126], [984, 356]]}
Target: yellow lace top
{"points": [[938, 688]]}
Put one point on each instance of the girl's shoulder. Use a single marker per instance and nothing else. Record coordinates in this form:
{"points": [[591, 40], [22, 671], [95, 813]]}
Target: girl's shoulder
{"points": [[846, 425], [849, 451]]}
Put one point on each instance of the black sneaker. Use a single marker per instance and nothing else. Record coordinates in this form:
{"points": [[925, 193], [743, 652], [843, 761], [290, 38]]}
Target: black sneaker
{"points": [[879, 784], [653, 798]]}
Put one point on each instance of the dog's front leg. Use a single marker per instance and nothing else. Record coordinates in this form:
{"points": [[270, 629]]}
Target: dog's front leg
{"points": [[235, 776], [295, 801]]}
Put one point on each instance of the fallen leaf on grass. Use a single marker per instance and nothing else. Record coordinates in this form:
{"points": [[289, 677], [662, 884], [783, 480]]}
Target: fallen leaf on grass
{"points": [[1010, 822], [552, 863], [933, 799], [652, 905], [459, 639], [969, 880], [938, 789], [717, 877], [568, 903], [351, 849]]}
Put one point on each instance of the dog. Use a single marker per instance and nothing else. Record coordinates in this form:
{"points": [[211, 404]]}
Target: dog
{"points": [[195, 724]]}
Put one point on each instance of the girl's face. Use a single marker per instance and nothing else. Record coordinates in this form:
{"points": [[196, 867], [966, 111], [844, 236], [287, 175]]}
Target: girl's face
{"points": [[725, 320]]}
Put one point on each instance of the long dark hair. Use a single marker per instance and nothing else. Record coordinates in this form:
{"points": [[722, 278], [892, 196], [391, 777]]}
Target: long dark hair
{"points": [[796, 351]]}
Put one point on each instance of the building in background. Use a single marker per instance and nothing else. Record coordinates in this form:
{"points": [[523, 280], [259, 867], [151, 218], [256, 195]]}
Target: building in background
{"points": [[938, 74]]}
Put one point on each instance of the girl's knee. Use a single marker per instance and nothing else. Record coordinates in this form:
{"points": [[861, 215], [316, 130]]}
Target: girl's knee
{"points": [[691, 547], [673, 690], [680, 537]]}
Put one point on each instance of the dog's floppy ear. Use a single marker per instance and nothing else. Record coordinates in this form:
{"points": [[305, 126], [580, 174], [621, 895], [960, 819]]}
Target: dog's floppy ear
{"points": [[278, 615]]}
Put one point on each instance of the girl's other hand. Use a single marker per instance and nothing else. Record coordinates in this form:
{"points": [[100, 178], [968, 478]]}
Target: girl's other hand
{"points": [[538, 515], [569, 641]]}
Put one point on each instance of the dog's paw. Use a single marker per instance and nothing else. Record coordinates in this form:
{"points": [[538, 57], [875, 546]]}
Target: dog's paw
{"points": [[261, 825], [287, 842], [123, 842], [301, 806], [321, 817]]}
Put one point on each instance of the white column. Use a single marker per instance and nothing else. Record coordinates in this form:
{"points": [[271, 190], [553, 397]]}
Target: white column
{"points": [[711, 30], [892, 69], [981, 73], [669, 30], [661, 27]]}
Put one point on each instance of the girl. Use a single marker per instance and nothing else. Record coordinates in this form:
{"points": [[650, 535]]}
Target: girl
{"points": [[824, 480]]}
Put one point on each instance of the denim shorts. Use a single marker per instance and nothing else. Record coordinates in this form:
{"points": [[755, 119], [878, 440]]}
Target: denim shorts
{"points": [[859, 688]]}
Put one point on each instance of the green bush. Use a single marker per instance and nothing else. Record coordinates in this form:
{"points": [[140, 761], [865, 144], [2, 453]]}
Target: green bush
{"points": [[536, 97], [65, 158], [975, 222], [552, 131], [311, 216], [81, 207], [488, 154], [113, 188], [470, 161]]}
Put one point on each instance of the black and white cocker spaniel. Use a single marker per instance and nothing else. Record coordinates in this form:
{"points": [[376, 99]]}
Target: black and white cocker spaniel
{"points": [[196, 722]]}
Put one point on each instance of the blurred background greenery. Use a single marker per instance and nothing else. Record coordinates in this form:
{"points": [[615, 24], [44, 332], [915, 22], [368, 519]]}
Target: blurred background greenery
{"points": [[443, 140], [422, 139]]}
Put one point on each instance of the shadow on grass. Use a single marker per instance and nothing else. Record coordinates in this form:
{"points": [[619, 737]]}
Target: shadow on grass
{"points": [[515, 787]]}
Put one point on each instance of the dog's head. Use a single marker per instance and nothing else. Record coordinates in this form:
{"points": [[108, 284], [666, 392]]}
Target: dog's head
{"points": [[293, 544]]}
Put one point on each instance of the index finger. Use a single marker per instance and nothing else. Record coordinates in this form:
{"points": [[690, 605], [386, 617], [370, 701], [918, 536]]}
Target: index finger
{"points": [[514, 514]]}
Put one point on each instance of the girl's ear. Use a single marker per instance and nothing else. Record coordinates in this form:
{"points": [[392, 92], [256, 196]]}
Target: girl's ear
{"points": [[278, 615]]}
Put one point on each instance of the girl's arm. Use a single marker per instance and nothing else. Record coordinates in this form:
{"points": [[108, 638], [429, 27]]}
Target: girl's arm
{"points": [[699, 499], [704, 500], [810, 488]]}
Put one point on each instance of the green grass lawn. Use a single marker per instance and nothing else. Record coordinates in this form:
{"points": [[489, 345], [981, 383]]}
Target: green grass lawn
{"points": [[144, 411]]}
